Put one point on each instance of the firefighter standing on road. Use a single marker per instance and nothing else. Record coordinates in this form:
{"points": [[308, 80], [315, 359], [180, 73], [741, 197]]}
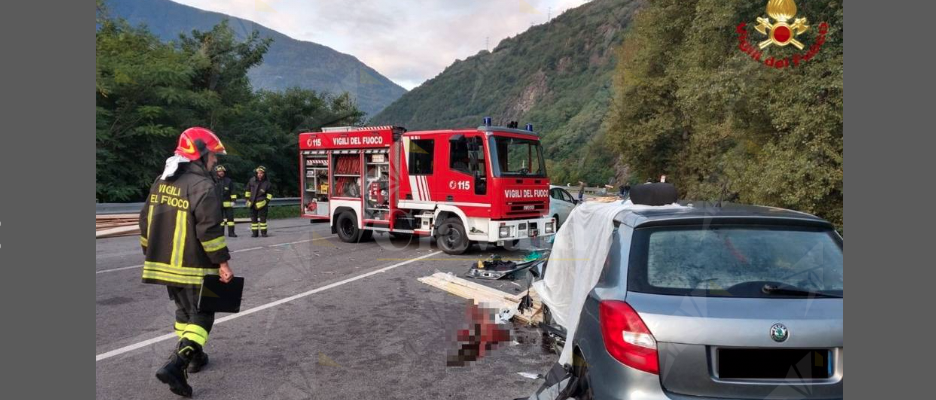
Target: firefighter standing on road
{"points": [[228, 197], [258, 198], [183, 240]]}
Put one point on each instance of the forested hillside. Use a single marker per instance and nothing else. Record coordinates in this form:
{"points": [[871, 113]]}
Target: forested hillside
{"points": [[287, 63], [557, 76], [147, 91]]}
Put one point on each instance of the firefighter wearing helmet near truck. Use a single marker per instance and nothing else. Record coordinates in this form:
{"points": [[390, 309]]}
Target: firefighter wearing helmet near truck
{"points": [[258, 198], [183, 240]]}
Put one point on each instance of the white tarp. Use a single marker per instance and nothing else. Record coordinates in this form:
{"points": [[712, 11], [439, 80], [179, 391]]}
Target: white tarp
{"points": [[575, 263]]}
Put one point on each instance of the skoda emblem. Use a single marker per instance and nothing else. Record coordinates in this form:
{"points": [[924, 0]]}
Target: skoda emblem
{"points": [[779, 333]]}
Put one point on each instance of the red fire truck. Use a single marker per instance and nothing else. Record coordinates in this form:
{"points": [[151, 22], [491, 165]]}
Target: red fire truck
{"points": [[460, 186]]}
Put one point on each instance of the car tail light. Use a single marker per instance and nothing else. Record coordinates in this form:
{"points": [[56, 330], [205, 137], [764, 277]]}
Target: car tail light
{"points": [[627, 338]]}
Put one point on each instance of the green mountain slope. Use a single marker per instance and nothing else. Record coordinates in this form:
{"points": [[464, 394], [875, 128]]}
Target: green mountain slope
{"points": [[557, 76], [289, 62]]}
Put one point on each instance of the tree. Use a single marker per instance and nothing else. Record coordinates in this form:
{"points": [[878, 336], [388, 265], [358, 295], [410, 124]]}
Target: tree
{"points": [[148, 91], [691, 105]]}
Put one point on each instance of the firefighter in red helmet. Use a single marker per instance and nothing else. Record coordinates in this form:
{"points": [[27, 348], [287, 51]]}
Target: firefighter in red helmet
{"points": [[258, 198], [183, 240]]}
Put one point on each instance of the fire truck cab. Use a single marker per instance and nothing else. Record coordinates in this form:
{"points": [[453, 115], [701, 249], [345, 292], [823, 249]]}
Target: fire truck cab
{"points": [[460, 186]]}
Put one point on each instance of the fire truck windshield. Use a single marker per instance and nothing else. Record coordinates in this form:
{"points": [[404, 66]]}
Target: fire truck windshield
{"points": [[516, 157]]}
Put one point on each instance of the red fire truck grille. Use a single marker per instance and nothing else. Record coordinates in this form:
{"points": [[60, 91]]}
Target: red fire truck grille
{"points": [[526, 207]]}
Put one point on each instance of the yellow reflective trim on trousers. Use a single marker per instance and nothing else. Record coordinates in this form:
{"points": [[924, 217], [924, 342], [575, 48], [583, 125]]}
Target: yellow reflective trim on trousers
{"points": [[247, 195], [230, 223], [269, 196], [215, 244], [160, 276], [194, 337], [192, 328], [179, 328], [186, 271], [143, 241], [233, 197], [261, 204], [226, 204]]}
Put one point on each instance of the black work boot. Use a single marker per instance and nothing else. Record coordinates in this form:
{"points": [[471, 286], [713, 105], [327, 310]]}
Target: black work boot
{"points": [[253, 233], [174, 372], [199, 361], [231, 232], [263, 233]]}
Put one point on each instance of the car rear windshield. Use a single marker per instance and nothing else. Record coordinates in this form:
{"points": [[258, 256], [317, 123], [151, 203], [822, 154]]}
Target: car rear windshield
{"points": [[737, 261]]}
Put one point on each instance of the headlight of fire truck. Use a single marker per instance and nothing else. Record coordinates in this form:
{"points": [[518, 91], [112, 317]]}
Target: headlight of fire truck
{"points": [[549, 227], [504, 231]]}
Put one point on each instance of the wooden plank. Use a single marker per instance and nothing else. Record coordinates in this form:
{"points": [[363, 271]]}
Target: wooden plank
{"points": [[123, 230], [483, 294], [116, 216]]}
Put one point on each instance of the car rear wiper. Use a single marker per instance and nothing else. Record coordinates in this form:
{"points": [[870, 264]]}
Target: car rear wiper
{"points": [[794, 291]]}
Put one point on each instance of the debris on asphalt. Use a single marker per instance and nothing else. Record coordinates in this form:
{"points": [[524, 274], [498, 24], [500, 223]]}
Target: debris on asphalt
{"points": [[530, 375], [326, 361], [558, 385], [483, 294], [496, 267]]}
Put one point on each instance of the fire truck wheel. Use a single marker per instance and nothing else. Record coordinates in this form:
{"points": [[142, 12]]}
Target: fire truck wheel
{"points": [[348, 231], [452, 237]]}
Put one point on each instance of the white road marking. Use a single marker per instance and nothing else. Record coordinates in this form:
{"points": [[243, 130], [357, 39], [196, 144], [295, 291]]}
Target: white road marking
{"points": [[252, 248], [235, 251], [157, 339], [118, 269]]}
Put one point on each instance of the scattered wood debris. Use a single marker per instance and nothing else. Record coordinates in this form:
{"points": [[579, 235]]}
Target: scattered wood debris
{"points": [[116, 225], [483, 294]]}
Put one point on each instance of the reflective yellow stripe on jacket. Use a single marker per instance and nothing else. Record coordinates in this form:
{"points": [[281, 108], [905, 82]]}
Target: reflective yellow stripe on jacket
{"points": [[178, 238], [215, 244], [169, 273]]}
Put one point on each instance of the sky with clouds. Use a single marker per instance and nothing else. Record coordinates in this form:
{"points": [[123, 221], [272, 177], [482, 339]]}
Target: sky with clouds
{"points": [[408, 41]]}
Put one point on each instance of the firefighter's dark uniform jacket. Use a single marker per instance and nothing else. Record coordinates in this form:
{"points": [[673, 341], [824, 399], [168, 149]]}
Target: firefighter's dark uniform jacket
{"points": [[180, 229], [258, 192], [228, 195]]}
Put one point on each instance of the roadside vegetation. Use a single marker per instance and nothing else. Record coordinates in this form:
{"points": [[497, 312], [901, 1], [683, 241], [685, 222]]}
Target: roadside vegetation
{"points": [[148, 91], [689, 104]]}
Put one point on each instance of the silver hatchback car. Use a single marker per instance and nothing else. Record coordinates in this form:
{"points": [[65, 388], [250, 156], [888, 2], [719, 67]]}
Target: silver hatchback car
{"points": [[732, 302]]}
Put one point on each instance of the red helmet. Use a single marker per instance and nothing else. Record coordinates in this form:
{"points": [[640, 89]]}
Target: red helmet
{"points": [[195, 142]]}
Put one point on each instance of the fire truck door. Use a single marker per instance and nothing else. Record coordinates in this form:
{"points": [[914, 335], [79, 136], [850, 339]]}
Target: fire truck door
{"points": [[421, 168]]}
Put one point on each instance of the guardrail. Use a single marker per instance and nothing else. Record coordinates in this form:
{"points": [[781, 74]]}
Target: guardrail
{"points": [[131, 208], [588, 190]]}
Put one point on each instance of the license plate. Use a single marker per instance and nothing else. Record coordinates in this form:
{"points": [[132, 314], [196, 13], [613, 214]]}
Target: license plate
{"points": [[796, 364], [530, 207]]}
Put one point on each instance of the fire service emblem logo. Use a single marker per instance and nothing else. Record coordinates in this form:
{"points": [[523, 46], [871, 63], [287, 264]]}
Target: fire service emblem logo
{"points": [[781, 32], [781, 27]]}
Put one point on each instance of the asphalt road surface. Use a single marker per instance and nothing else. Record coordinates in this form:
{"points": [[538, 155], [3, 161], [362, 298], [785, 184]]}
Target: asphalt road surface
{"points": [[320, 319]]}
